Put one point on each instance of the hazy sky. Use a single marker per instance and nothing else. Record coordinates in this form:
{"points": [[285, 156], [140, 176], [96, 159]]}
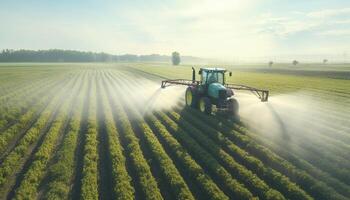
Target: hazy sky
{"points": [[207, 28]]}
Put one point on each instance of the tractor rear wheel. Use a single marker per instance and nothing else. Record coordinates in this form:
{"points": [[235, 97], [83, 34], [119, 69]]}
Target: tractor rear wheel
{"points": [[233, 107], [191, 97], [205, 105]]}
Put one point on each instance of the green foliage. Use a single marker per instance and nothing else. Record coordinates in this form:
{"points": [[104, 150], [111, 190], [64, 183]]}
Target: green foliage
{"points": [[176, 182], [23, 121], [308, 183], [145, 178], [250, 180], [89, 182], [234, 188], [28, 187], [122, 181], [13, 160], [194, 170], [62, 170]]}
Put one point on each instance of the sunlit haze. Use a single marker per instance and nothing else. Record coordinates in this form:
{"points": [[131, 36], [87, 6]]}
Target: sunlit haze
{"points": [[227, 29]]}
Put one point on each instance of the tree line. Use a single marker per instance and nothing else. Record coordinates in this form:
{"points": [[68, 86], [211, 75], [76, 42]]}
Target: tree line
{"points": [[58, 55]]}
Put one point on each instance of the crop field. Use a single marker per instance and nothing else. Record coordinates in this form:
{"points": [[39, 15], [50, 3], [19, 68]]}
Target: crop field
{"points": [[107, 131]]}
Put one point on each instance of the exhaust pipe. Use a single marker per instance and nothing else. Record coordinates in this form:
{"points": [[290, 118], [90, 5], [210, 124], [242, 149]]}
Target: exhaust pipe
{"points": [[193, 75]]}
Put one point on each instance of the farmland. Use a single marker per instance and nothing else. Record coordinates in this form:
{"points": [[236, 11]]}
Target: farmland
{"points": [[106, 131]]}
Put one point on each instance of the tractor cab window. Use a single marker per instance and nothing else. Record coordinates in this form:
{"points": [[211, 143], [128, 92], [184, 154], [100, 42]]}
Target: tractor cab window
{"points": [[212, 77], [204, 77], [220, 77]]}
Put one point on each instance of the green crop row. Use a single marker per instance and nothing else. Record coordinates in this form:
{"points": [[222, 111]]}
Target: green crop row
{"points": [[251, 181], [232, 186], [305, 181], [25, 120], [273, 178], [144, 176], [316, 188], [12, 109], [169, 171], [62, 170], [331, 158], [22, 87], [301, 164], [334, 150], [16, 79], [195, 171], [29, 185], [13, 161], [122, 181], [89, 182]]}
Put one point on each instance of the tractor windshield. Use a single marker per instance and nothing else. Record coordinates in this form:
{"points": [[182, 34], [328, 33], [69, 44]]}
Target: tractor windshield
{"points": [[212, 77]]}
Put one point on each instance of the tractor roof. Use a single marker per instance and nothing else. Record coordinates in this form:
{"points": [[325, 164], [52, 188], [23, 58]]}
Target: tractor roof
{"points": [[213, 69]]}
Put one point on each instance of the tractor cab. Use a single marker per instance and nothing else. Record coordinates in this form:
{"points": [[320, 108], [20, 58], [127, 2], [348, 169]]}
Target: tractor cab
{"points": [[212, 75]]}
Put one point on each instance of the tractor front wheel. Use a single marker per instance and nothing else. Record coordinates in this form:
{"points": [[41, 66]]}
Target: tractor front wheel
{"points": [[205, 105], [191, 97]]}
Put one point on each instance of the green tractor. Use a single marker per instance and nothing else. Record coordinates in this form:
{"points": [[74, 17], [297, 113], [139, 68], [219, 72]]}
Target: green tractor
{"points": [[212, 89]]}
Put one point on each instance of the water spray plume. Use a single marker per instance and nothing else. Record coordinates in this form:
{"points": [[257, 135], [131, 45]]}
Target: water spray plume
{"points": [[294, 117]]}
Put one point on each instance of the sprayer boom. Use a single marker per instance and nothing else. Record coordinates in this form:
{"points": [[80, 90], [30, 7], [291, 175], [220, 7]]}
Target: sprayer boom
{"points": [[167, 83], [263, 95]]}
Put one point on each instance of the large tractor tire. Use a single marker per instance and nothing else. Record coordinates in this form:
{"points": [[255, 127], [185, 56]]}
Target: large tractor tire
{"points": [[191, 97], [205, 105], [233, 107]]}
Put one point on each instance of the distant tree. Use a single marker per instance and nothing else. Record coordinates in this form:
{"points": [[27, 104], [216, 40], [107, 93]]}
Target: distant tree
{"points": [[175, 58], [325, 61], [270, 63], [295, 62]]}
